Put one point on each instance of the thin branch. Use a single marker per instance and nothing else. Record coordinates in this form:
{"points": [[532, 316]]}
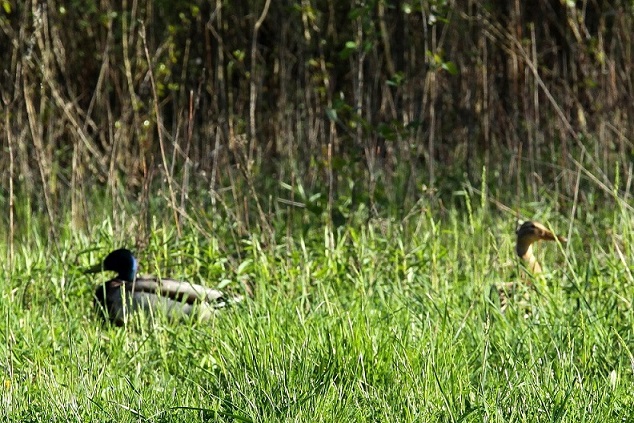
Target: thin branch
{"points": [[159, 129]]}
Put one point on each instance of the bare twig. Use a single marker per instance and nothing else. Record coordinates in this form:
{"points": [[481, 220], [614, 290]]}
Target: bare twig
{"points": [[159, 129], [253, 82]]}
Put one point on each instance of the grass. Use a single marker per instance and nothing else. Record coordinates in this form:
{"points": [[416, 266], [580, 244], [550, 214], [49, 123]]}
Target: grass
{"points": [[382, 321]]}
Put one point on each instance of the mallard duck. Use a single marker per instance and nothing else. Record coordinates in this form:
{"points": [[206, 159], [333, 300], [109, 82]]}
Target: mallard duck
{"points": [[527, 234], [126, 292]]}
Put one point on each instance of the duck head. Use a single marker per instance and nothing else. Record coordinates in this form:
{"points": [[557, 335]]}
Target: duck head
{"points": [[121, 261], [528, 233]]}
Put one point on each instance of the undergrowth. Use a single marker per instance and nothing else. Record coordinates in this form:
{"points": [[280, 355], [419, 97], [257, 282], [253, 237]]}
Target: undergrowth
{"points": [[377, 320]]}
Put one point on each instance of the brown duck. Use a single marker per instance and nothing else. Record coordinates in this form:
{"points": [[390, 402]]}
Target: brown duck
{"points": [[527, 234]]}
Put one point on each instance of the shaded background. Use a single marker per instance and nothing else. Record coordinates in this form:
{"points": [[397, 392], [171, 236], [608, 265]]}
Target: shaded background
{"points": [[245, 108]]}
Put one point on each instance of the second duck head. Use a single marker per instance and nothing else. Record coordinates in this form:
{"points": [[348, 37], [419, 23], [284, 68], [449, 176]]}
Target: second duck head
{"points": [[531, 231]]}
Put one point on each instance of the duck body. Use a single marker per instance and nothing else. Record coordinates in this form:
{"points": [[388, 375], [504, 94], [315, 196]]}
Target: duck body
{"points": [[117, 299]]}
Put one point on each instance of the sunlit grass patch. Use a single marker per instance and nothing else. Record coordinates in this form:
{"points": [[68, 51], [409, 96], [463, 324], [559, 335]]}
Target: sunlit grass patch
{"points": [[381, 321]]}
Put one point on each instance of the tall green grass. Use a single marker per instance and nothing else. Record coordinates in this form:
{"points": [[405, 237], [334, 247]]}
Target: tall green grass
{"points": [[373, 321]]}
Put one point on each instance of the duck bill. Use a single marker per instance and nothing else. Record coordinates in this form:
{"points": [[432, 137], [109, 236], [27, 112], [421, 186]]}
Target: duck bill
{"points": [[94, 269], [549, 236]]}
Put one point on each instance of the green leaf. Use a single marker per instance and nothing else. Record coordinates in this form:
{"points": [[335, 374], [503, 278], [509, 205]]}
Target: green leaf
{"points": [[450, 67]]}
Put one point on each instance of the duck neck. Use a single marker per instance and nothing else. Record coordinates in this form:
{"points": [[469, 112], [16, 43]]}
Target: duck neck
{"points": [[525, 251], [130, 274]]}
